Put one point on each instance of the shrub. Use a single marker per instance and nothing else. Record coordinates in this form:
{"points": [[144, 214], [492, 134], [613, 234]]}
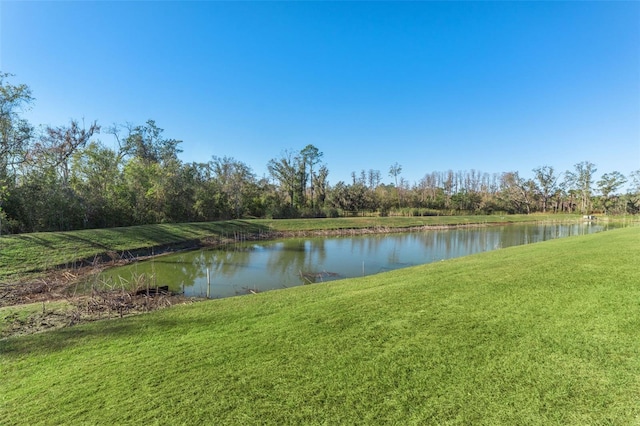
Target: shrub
{"points": [[331, 212]]}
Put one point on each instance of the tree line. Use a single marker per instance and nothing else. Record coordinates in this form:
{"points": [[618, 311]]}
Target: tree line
{"points": [[63, 178]]}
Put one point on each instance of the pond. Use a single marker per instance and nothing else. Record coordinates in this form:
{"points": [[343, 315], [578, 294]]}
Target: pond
{"points": [[251, 267]]}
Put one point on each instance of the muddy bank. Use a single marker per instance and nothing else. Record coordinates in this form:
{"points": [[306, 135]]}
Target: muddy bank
{"points": [[48, 315]]}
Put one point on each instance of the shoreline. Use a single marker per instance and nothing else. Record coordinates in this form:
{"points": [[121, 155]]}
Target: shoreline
{"points": [[40, 296], [35, 286]]}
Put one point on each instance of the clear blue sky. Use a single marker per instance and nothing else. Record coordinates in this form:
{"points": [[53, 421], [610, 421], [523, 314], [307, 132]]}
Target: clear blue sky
{"points": [[491, 86]]}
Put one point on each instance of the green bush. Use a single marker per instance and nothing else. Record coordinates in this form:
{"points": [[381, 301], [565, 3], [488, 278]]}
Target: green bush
{"points": [[331, 212]]}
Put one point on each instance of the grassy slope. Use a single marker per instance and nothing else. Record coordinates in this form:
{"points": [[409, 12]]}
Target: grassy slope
{"points": [[20, 254], [547, 333]]}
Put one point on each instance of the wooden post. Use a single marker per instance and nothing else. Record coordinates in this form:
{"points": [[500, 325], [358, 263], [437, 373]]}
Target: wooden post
{"points": [[208, 284]]}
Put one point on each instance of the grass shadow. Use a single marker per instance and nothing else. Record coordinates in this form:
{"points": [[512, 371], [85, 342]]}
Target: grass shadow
{"points": [[62, 339]]}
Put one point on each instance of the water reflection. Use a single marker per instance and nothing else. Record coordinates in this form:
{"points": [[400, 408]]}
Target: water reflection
{"points": [[254, 267]]}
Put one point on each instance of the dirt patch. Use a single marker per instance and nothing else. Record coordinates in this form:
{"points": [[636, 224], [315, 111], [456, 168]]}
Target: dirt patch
{"points": [[57, 313], [19, 323]]}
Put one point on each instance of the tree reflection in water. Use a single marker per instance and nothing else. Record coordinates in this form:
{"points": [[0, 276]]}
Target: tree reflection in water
{"points": [[250, 266]]}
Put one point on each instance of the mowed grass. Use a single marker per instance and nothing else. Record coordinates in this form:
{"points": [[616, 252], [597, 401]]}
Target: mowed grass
{"points": [[37, 252], [547, 333]]}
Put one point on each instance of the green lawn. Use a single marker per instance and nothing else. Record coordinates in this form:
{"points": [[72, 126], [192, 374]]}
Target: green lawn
{"points": [[29, 253], [547, 333]]}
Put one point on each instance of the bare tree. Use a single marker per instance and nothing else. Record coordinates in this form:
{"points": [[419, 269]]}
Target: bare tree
{"points": [[58, 144], [373, 178], [517, 192]]}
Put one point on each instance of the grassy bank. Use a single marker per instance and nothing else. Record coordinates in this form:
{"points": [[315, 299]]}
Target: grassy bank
{"points": [[547, 333], [29, 253]]}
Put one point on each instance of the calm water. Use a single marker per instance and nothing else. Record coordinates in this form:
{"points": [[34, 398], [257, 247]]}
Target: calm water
{"points": [[258, 266]]}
